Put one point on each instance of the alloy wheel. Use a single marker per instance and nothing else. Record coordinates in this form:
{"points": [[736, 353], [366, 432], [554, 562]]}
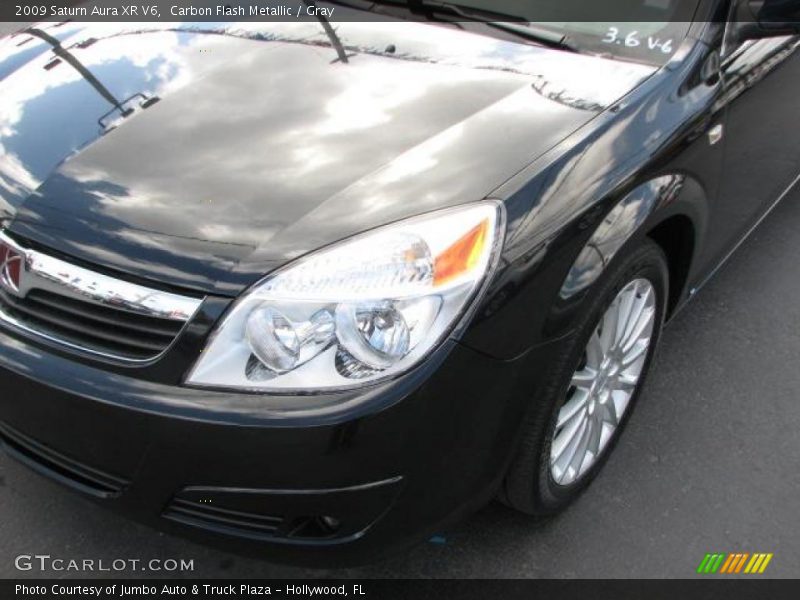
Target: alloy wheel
{"points": [[604, 383]]}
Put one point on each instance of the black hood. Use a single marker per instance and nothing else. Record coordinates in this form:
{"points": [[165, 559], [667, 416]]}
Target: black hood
{"points": [[205, 157]]}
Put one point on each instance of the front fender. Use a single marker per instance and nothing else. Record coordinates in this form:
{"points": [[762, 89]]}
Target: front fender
{"points": [[638, 214], [614, 231]]}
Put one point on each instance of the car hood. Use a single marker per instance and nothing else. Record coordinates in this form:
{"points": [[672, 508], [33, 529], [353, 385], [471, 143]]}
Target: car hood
{"points": [[204, 156]]}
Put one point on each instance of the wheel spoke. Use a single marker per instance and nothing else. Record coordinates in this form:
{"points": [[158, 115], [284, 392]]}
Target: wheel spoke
{"points": [[564, 437], [644, 327], [583, 379], [641, 300], [620, 400], [638, 349], [594, 351], [564, 458], [579, 453], [593, 445], [627, 383], [610, 412], [572, 407], [608, 336], [627, 308]]}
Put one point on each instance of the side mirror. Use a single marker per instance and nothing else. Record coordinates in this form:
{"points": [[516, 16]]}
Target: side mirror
{"points": [[767, 18]]}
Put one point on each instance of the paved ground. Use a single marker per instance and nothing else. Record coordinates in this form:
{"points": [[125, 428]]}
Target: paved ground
{"points": [[710, 462]]}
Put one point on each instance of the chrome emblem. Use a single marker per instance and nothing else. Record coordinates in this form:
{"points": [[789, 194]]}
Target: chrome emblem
{"points": [[11, 263]]}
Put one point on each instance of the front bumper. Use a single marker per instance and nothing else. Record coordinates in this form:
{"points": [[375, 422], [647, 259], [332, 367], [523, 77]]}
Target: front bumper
{"points": [[344, 483]]}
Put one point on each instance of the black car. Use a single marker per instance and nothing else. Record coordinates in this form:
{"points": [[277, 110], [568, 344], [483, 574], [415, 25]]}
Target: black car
{"points": [[320, 291]]}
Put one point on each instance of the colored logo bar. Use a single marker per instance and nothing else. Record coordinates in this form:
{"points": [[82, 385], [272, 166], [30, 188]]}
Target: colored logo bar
{"points": [[734, 563]]}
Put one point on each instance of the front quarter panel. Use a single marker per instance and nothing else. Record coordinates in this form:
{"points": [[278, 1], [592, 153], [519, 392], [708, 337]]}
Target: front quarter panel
{"points": [[616, 229], [641, 161]]}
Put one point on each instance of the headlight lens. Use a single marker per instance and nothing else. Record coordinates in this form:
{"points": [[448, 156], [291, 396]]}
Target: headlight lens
{"points": [[360, 311]]}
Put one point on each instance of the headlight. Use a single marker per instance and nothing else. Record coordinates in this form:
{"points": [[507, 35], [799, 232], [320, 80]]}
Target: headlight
{"points": [[360, 311]]}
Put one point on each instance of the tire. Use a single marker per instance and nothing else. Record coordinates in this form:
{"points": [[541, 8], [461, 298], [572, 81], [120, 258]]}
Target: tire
{"points": [[531, 485]]}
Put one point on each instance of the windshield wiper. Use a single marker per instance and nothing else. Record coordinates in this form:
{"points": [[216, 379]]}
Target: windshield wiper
{"points": [[513, 25], [531, 32]]}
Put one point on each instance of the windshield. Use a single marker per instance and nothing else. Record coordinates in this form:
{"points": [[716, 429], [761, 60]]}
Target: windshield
{"points": [[648, 31]]}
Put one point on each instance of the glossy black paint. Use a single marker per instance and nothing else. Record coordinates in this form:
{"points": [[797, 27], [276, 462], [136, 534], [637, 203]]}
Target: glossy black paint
{"points": [[162, 438], [312, 150], [263, 146]]}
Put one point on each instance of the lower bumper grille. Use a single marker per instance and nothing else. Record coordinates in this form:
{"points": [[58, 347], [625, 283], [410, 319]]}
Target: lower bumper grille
{"points": [[52, 464], [206, 516], [311, 516]]}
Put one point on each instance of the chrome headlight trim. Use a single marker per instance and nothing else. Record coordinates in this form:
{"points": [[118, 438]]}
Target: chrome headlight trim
{"points": [[331, 277]]}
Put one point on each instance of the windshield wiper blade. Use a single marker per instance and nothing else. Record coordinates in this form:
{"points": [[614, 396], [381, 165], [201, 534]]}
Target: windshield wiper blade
{"points": [[514, 25], [531, 32]]}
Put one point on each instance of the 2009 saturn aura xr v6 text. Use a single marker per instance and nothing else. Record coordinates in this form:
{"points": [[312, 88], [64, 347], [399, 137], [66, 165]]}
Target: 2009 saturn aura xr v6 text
{"points": [[318, 289]]}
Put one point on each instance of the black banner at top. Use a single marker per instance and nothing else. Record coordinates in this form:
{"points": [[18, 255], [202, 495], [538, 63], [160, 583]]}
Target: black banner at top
{"points": [[358, 10]]}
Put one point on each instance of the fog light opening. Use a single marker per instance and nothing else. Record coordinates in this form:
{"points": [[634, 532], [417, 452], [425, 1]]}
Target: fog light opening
{"points": [[316, 527]]}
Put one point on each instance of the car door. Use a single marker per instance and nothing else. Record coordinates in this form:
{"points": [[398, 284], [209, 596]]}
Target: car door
{"points": [[761, 95]]}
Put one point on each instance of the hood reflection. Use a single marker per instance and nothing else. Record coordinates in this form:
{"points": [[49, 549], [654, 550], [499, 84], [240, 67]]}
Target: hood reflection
{"points": [[269, 139], [122, 107]]}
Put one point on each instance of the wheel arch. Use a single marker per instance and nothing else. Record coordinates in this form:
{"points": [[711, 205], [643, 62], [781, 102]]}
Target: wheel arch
{"points": [[669, 209], [677, 237]]}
